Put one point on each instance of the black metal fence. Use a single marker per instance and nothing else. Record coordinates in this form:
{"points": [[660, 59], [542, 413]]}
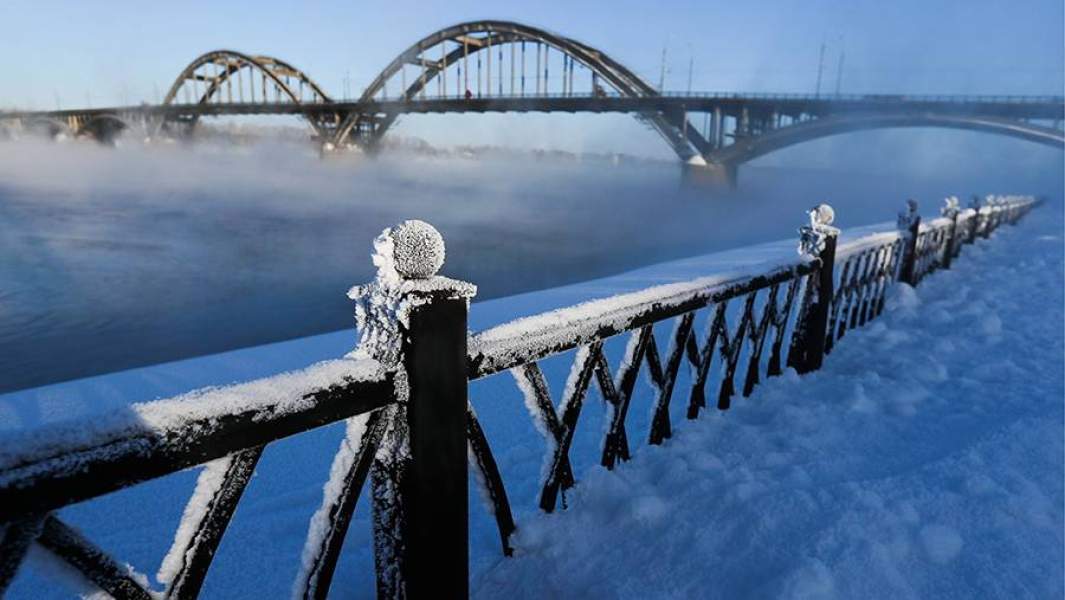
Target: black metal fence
{"points": [[413, 431]]}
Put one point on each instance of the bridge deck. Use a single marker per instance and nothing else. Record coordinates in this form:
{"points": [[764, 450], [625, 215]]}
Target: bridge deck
{"points": [[1018, 107]]}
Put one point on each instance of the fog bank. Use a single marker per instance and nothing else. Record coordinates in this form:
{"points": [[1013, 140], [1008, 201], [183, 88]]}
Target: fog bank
{"points": [[114, 258]]}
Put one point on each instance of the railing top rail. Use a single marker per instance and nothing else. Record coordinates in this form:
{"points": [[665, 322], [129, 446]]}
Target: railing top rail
{"points": [[532, 338], [48, 467], [866, 242], [936, 223]]}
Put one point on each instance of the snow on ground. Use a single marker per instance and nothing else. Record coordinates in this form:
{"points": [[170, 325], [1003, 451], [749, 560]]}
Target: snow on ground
{"points": [[925, 460]]}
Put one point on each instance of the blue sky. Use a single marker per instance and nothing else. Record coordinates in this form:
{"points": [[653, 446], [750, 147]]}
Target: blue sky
{"points": [[108, 52]]}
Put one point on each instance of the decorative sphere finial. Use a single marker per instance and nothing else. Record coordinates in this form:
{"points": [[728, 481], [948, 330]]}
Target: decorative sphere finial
{"points": [[418, 249], [823, 214], [951, 207], [812, 237]]}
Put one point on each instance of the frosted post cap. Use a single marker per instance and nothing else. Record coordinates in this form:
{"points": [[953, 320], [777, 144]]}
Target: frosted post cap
{"points": [[823, 214], [418, 249], [951, 207]]}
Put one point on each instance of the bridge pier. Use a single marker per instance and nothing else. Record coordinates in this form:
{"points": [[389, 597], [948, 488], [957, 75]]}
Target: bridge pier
{"points": [[713, 174], [103, 131]]}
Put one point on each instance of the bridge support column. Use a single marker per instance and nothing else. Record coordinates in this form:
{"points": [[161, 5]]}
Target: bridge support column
{"points": [[714, 174], [718, 140]]}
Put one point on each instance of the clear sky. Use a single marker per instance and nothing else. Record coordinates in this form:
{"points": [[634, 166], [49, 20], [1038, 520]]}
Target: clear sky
{"points": [[114, 51]]}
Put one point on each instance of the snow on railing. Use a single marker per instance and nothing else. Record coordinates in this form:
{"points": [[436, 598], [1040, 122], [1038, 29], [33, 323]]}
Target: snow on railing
{"points": [[174, 426], [50, 467], [410, 427], [873, 240], [534, 337]]}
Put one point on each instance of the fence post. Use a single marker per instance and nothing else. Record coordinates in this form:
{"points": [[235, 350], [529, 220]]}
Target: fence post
{"points": [[910, 222], [1012, 212], [999, 210], [989, 222], [950, 210], [818, 239], [419, 476], [974, 222]]}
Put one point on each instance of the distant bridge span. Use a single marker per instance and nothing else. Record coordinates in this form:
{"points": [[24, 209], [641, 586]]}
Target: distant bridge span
{"points": [[502, 66], [750, 148]]}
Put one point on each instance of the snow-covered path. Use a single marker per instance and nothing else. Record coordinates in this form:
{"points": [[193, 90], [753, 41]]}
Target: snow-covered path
{"points": [[924, 461]]}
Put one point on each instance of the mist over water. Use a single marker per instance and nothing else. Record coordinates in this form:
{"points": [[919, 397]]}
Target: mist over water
{"points": [[115, 258]]}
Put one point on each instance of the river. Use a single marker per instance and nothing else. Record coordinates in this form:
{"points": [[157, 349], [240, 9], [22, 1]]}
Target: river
{"points": [[117, 258]]}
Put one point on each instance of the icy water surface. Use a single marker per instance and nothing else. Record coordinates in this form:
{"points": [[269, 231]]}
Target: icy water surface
{"points": [[111, 259]]}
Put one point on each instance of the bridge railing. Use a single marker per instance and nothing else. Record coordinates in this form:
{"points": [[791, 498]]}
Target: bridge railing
{"points": [[429, 95], [725, 95], [411, 428]]}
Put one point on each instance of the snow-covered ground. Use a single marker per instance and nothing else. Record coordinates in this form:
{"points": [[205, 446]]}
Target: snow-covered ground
{"points": [[924, 460]]}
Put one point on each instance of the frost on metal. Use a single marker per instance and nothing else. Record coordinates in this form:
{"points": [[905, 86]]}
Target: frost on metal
{"points": [[512, 343], [389, 469], [865, 243], [181, 550], [484, 489], [531, 397], [333, 491], [69, 446], [812, 236], [951, 207], [418, 249], [407, 258], [908, 216]]}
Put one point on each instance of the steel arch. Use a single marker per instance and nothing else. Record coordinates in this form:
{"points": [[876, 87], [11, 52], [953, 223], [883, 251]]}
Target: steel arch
{"points": [[233, 61], [747, 149], [680, 135]]}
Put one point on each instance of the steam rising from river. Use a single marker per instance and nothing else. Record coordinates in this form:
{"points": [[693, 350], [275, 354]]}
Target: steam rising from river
{"points": [[111, 258]]}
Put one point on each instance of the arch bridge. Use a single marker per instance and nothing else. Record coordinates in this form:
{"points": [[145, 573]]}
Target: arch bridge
{"points": [[503, 66]]}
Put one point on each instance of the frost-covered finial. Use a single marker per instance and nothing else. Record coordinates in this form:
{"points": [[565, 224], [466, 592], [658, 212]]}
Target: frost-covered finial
{"points": [[812, 236], [408, 257], [412, 250], [908, 216], [822, 214], [418, 249], [951, 207]]}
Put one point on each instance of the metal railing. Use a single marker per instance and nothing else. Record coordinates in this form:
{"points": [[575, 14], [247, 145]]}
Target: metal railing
{"points": [[429, 96], [411, 428]]}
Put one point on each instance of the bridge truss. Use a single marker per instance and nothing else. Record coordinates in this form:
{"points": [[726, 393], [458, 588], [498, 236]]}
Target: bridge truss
{"points": [[483, 59], [234, 78]]}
